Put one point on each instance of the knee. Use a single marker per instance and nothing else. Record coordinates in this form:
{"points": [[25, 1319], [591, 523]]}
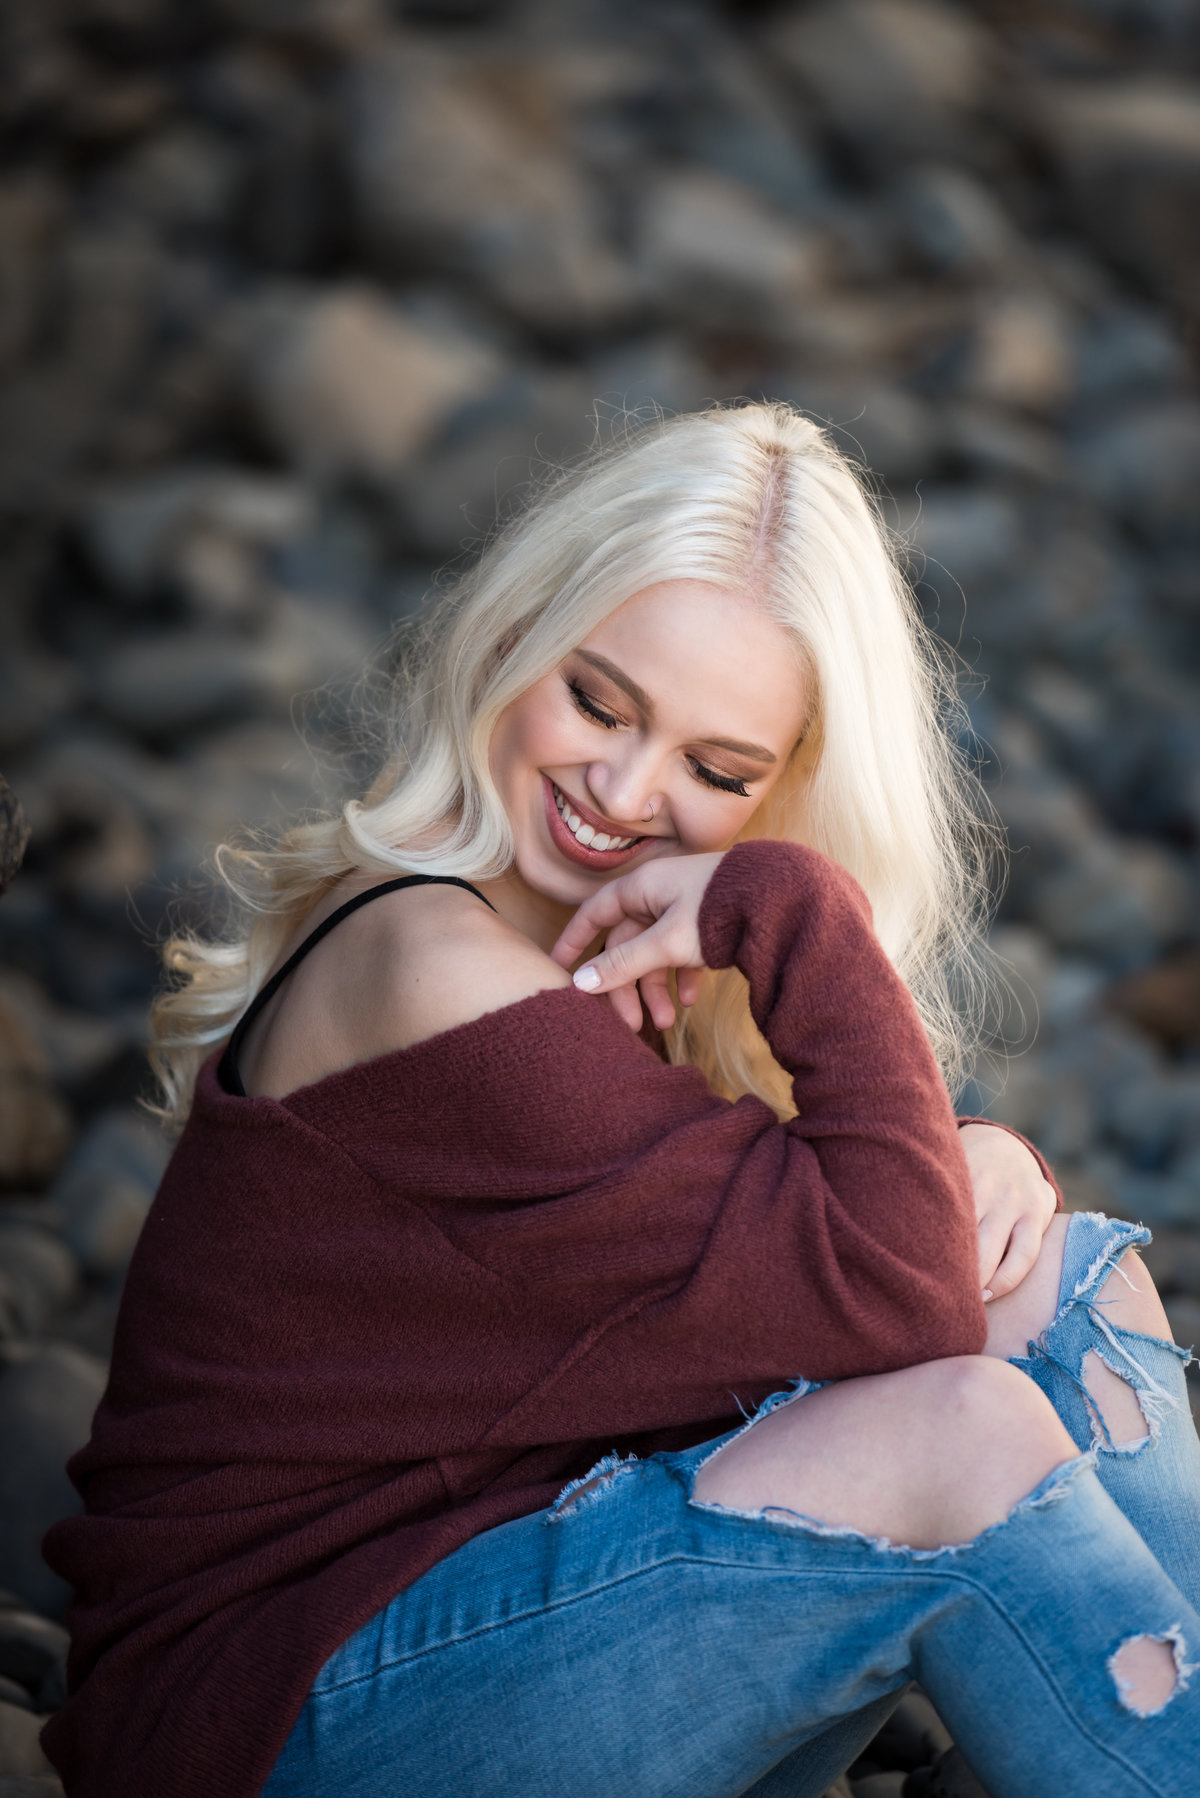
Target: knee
{"points": [[928, 1455]]}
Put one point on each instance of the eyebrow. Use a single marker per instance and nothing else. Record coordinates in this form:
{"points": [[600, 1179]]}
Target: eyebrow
{"points": [[755, 752]]}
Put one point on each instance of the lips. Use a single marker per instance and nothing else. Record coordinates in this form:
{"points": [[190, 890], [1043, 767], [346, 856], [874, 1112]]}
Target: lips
{"points": [[584, 855]]}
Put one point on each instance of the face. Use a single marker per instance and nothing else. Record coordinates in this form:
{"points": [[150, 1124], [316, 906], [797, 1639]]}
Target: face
{"points": [[659, 735]]}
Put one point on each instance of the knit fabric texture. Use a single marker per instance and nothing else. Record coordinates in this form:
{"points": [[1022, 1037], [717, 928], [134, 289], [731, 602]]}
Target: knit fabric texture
{"points": [[411, 1301]]}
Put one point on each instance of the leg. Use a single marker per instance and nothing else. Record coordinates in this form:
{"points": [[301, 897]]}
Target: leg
{"points": [[1088, 1327], [644, 1640]]}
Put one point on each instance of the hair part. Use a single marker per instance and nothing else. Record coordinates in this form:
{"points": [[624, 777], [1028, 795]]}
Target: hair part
{"points": [[752, 498]]}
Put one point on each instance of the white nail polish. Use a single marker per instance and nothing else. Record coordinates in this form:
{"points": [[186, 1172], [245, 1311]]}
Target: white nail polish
{"points": [[987, 1294], [586, 979]]}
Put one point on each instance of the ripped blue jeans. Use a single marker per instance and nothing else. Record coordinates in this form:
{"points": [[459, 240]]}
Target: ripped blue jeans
{"points": [[633, 1643]]}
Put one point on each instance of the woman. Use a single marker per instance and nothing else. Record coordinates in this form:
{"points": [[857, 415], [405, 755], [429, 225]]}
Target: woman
{"points": [[417, 1471]]}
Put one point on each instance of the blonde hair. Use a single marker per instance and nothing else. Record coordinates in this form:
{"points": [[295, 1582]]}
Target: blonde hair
{"points": [[752, 498]]}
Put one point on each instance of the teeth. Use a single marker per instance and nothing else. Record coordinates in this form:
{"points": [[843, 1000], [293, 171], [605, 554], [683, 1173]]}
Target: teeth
{"points": [[587, 833]]}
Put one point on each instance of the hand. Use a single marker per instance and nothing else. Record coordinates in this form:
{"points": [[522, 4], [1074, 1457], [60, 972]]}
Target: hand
{"points": [[1013, 1206], [651, 917]]}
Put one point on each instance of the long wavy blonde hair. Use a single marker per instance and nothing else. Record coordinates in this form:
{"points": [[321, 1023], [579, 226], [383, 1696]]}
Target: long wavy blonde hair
{"points": [[749, 497]]}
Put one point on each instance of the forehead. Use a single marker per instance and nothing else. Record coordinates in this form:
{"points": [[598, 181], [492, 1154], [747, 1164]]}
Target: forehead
{"points": [[712, 661]]}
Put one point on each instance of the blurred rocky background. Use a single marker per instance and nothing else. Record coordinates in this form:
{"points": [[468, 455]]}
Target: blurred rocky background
{"points": [[294, 292]]}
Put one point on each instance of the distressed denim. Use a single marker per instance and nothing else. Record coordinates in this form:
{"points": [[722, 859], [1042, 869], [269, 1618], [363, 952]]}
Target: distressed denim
{"points": [[633, 1641]]}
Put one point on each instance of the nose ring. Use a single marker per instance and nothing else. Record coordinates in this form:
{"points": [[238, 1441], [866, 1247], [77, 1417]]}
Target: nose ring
{"points": [[649, 815]]}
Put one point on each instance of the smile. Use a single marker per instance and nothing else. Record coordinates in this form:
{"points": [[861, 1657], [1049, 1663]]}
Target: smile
{"points": [[585, 833]]}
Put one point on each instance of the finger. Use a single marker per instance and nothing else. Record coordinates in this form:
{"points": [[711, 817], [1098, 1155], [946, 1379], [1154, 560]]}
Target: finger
{"points": [[624, 963], [1024, 1246], [601, 911], [656, 993], [625, 1002], [995, 1233], [687, 984]]}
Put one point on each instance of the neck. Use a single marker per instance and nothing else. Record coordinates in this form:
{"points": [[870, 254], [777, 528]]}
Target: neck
{"points": [[540, 919]]}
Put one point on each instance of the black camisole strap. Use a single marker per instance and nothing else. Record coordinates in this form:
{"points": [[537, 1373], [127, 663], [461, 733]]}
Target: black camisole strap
{"points": [[227, 1071]]}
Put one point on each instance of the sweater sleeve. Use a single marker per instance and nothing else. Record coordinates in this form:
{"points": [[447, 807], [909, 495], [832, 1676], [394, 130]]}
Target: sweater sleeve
{"points": [[658, 1247], [1047, 1171]]}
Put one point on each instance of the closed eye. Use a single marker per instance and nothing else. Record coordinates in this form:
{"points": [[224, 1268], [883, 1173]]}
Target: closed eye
{"points": [[724, 783], [590, 709], [721, 783]]}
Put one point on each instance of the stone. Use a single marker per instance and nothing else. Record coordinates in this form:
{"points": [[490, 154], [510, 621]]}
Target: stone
{"points": [[136, 529], [1120, 902], [895, 76], [1022, 353], [14, 834], [1173, 1259], [34, 1786], [20, 1751], [33, 1654], [1184, 1317], [953, 222], [1163, 999], [1145, 463], [966, 535], [162, 686], [48, 1393], [459, 164], [718, 255], [1128, 151], [41, 1273], [345, 385], [34, 1127], [104, 1191]]}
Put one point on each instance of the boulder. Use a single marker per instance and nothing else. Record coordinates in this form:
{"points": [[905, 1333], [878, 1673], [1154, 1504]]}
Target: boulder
{"points": [[894, 76], [1128, 152], [14, 834], [20, 1750], [104, 1191], [346, 385], [41, 1273], [34, 1126], [48, 1394], [459, 163]]}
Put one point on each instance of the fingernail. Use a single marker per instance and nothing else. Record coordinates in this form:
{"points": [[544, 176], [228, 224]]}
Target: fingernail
{"points": [[987, 1294], [586, 979]]}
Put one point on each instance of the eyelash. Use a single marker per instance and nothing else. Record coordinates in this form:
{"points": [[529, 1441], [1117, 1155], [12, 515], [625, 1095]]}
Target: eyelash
{"points": [[721, 783]]}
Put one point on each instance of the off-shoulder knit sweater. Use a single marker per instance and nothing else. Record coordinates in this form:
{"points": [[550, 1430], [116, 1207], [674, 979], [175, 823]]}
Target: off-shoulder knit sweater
{"points": [[410, 1301]]}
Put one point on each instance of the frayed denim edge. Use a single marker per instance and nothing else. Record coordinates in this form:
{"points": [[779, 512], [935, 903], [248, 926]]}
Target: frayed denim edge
{"points": [[1172, 1635]]}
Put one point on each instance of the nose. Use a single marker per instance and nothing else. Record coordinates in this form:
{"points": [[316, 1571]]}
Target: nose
{"points": [[624, 786]]}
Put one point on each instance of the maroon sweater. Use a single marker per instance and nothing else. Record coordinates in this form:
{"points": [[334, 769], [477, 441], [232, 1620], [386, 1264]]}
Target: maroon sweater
{"points": [[408, 1302]]}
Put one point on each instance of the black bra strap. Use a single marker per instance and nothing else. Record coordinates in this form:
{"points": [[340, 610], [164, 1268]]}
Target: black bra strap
{"points": [[227, 1071]]}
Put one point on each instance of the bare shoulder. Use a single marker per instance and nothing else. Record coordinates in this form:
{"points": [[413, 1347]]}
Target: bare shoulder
{"points": [[410, 965], [452, 959]]}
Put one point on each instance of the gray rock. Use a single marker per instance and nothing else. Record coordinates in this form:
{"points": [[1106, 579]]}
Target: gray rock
{"points": [[1145, 464], [458, 165], [955, 223], [718, 255], [41, 1273], [20, 1751], [166, 685], [48, 1394], [35, 1786], [966, 535], [1173, 1259], [33, 1654], [34, 1126], [1117, 143], [105, 1189], [1022, 351], [14, 834], [136, 530], [896, 76], [344, 384], [1184, 1316], [1121, 902]]}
